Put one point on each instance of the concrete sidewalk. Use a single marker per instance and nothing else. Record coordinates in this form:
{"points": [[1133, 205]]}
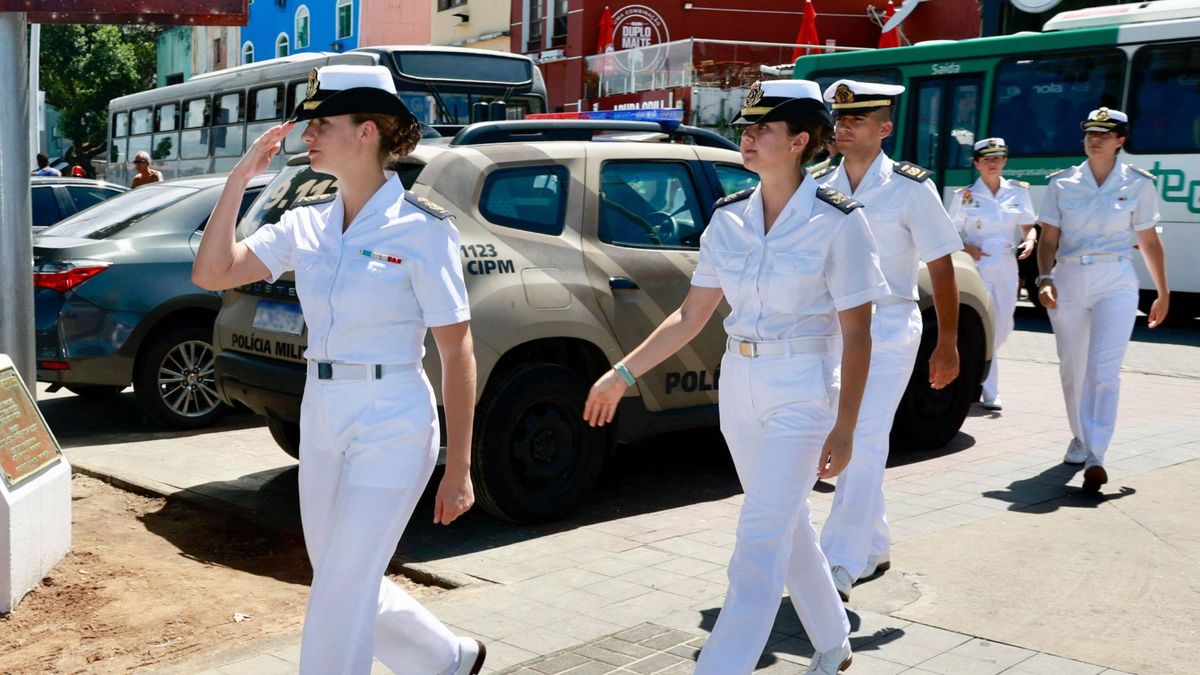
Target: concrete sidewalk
{"points": [[999, 565]]}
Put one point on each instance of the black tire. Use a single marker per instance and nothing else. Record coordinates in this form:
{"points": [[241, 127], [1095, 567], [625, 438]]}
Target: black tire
{"points": [[286, 435], [534, 458], [95, 390], [173, 380], [926, 418]]}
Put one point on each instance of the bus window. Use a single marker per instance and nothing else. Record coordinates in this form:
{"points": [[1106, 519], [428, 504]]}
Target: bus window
{"points": [[193, 142], [1164, 100], [117, 153], [166, 141], [1039, 101], [228, 129], [166, 117], [120, 125], [266, 110], [140, 119], [292, 145]]}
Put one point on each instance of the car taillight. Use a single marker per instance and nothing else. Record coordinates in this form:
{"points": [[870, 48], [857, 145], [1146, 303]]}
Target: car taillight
{"points": [[54, 365], [62, 276]]}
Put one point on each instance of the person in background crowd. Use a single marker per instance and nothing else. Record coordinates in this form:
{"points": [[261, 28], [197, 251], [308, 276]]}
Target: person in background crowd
{"points": [[145, 175], [800, 270], [44, 168], [909, 224], [1092, 216], [376, 269], [992, 215]]}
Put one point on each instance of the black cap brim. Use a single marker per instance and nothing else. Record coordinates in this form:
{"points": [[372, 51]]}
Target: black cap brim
{"points": [[793, 109], [358, 100]]}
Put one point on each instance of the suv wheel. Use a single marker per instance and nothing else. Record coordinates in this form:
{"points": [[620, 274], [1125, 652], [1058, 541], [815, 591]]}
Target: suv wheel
{"points": [[174, 378], [286, 435], [926, 418], [95, 390], [535, 459]]}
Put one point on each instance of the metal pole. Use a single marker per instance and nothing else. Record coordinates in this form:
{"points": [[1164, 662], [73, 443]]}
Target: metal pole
{"points": [[35, 120], [16, 247]]}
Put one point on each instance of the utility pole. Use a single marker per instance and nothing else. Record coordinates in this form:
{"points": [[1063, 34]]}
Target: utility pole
{"points": [[16, 230], [35, 85]]}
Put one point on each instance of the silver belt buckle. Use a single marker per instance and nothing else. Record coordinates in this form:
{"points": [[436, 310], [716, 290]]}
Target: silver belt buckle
{"points": [[749, 349], [1087, 259]]}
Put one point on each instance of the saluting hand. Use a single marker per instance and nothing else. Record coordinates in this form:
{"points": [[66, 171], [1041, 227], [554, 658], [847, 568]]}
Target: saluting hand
{"points": [[835, 454], [602, 400], [265, 147], [455, 496]]}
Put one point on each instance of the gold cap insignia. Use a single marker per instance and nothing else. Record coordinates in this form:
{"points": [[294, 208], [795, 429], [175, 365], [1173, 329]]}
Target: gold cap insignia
{"points": [[754, 95], [313, 84], [993, 144], [843, 95], [1102, 114]]}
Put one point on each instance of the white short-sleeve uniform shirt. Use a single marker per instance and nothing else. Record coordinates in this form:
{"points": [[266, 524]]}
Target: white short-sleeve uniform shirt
{"points": [[789, 283], [906, 217], [1099, 218], [992, 222], [370, 293]]}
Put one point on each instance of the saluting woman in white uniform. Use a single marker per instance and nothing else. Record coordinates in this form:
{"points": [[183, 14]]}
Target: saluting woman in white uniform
{"points": [[1091, 216], [375, 269], [799, 268], [992, 216]]}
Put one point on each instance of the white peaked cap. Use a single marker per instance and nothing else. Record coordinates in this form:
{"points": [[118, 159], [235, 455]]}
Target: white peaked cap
{"points": [[338, 78]]}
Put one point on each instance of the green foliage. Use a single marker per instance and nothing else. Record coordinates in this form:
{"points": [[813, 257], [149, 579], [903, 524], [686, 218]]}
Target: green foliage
{"points": [[83, 67]]}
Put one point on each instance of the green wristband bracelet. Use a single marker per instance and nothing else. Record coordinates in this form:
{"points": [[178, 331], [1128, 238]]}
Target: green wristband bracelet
{"points": [[624, 373]]}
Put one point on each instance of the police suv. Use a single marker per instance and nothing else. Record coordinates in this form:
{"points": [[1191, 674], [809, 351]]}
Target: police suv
{"points": [[578, 239]]}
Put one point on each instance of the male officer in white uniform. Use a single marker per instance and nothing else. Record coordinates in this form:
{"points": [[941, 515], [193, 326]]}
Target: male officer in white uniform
{"points": [[908, 221]]}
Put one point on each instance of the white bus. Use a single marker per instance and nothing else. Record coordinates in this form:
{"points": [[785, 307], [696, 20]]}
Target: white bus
{"points": [[1032, 89], [204, 125]]}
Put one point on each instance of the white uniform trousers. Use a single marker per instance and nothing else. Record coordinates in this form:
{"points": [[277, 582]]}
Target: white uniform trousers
{"points": [[367, 450], [775, 415], [1000, 277], [857, 525], [1097, 305]]}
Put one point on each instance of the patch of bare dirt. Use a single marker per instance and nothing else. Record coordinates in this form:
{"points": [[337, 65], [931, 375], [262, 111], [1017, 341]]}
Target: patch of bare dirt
{"points": [[151, 583]]}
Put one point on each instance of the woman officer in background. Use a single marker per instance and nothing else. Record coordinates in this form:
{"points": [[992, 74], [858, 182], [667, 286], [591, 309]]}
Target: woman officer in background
{"points": [[1091, 217], [992, 215], [799, 268], [376, 267]]}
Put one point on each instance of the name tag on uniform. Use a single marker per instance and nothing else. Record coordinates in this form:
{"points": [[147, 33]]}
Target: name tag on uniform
{"points": [[382, 257]]}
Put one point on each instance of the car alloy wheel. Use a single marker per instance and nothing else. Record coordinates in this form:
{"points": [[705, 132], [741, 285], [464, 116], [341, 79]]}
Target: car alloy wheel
{"points": [[185, 379]]}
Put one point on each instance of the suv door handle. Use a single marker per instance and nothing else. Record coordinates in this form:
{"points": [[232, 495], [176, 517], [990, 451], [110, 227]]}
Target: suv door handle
{"points": [[622, 284]]}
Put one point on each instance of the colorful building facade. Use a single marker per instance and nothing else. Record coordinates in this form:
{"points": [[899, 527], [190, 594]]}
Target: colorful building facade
{"points": [[282, 27]]}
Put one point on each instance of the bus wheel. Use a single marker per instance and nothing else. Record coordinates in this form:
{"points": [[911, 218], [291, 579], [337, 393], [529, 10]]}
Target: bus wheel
{"points": [[927, 418], [534, 458]]}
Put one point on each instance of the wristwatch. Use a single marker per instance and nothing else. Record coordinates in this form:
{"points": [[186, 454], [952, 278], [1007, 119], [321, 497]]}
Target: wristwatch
{"points": [[1044, 277]]}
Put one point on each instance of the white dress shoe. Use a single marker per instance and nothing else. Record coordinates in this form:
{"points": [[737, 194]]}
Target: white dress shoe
{"points": [[831, 662], [471, 654], [992, 403], [842, 581], [1076, 454], [877, 563]]}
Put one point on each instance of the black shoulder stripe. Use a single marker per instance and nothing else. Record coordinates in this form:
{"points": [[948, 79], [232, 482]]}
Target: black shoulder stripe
{"points": [[823, 171], [735, 197], [313, 200], [912, 171], [842, 202], [425, 205], [1147, 174]]}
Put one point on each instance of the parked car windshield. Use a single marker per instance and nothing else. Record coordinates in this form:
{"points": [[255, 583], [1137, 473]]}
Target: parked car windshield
{"points": [[119, 213]]}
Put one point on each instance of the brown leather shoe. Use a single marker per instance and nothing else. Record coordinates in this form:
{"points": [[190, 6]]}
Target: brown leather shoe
{"points": [[1093, 478]]}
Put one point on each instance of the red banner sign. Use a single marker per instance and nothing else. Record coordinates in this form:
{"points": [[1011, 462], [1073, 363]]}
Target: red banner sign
{"points": [[166, 12]]}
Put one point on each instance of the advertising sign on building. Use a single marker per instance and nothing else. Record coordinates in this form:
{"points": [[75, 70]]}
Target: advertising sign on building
{"points": [[169, 12]]}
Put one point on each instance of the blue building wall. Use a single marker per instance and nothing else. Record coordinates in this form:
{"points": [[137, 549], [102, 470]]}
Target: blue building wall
{"points": [[269, 18]]}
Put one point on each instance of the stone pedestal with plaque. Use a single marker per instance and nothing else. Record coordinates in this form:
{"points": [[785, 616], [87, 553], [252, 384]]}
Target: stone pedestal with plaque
{"points": [[35, 492]]}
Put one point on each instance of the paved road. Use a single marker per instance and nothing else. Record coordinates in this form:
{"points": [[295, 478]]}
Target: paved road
{"points": [[1000, 565]]}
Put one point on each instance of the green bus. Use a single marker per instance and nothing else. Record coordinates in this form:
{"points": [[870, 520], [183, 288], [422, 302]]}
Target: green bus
{"points": [[1032, 89]]}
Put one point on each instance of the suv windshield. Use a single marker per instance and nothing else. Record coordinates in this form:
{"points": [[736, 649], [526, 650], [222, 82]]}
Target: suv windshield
{"points": [[119, 213]]}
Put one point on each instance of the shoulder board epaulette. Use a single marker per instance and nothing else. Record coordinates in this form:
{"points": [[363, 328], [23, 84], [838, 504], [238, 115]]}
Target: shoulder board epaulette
{"points": [[910, 170], [1052, 174], [313, 200], [735, 197], [840, 201], [1020, 183], [1144, 172], [823, 171], [426, 205]]}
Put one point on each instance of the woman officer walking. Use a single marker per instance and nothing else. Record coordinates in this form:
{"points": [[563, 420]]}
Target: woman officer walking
{"points": [[799, 268], [375, 268], [990, 216], [1091, 217]]}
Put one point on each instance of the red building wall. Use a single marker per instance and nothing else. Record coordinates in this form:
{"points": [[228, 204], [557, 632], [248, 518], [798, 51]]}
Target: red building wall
{"points": [[844, 21]]}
